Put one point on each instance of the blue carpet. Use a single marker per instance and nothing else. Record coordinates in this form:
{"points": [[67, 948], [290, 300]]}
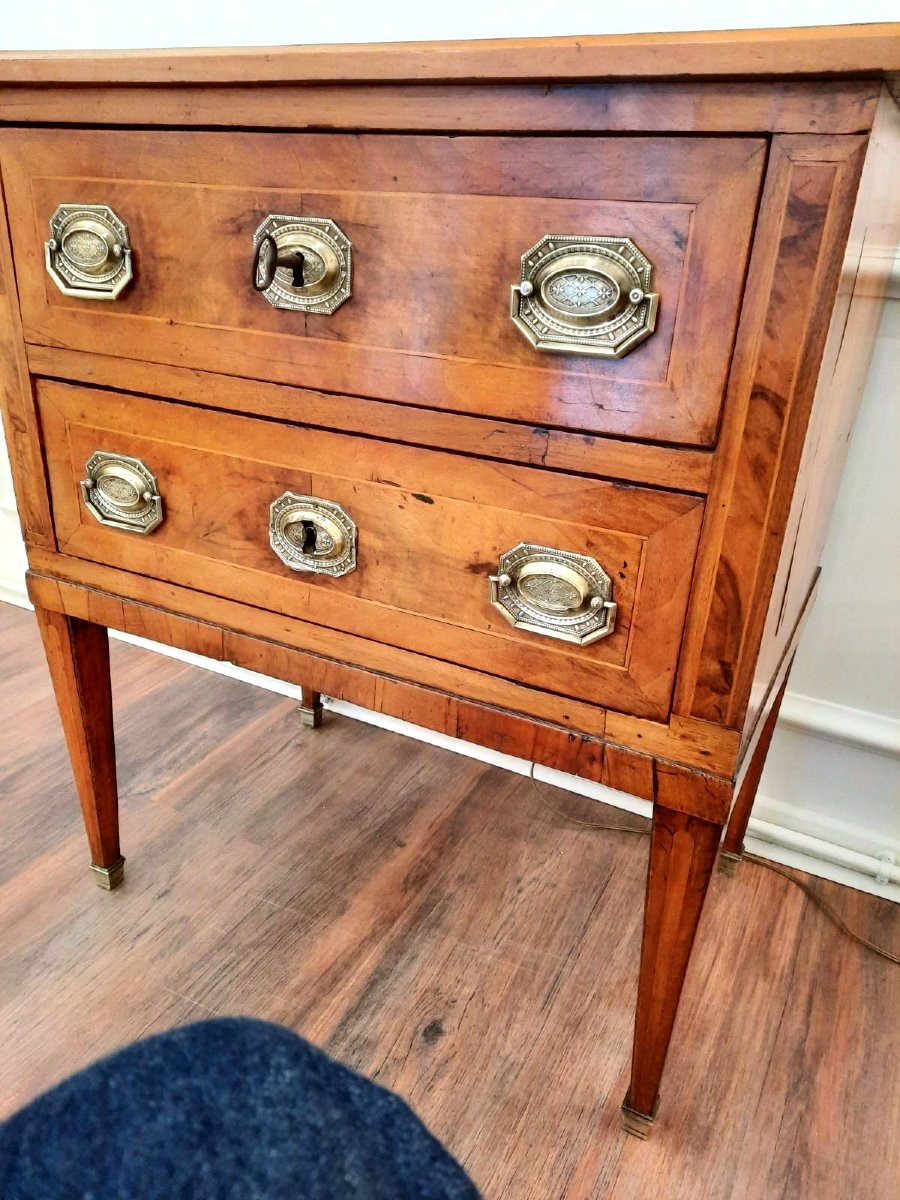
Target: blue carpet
{"points": [[230, 1109]]}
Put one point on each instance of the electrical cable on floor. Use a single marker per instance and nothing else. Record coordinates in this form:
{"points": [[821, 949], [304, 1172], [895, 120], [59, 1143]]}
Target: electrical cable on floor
{"points": [[819, 900], [577, 820], [815, 896]]}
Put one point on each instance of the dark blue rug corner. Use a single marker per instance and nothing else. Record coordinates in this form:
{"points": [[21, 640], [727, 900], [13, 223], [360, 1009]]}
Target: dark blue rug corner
{"points": [[229, 1109]]}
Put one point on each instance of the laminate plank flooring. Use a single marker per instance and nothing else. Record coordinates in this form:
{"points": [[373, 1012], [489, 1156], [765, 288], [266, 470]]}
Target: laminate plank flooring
{"points": [[429, 921]]}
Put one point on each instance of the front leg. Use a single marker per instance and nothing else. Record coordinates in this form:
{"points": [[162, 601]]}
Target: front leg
{"points": [[683, 853], [78, 656]]}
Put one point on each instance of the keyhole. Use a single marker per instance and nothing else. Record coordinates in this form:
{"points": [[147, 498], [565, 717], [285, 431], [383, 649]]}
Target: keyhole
{"points": [[308, 544], [297, 265]]}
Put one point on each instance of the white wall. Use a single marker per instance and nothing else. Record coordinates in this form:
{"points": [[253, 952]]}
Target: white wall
{"points": [[831, 797], [12, 552], [114, 24]]}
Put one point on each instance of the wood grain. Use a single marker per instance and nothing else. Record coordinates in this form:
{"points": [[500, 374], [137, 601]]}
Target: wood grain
{"points": [[78, 657], [814, 50], [794, 271], [154, 605], [786, 106], [681, 469], [416, 210], [682, 856], [424, 556], [17, 409], [479, 953], [680, 786]]}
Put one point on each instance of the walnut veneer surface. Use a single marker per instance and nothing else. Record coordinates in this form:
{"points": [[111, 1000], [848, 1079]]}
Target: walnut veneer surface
{"points": [[757, 172]]}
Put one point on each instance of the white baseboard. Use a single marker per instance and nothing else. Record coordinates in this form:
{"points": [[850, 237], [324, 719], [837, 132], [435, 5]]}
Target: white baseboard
{"points": [[12, 591], [840, 723], [841, 851]]}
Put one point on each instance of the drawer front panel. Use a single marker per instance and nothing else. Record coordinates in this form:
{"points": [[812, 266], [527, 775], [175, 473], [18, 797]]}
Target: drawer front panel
{"points": [[438, 227], [432, 528]]}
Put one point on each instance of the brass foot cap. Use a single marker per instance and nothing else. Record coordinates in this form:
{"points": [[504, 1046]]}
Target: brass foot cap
{"points": [[728, 862], [637, 1123], [109, 877], [310, 717]]}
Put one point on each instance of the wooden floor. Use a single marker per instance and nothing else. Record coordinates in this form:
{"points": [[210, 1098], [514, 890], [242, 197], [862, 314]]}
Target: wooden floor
{"points": [[428, 921]]}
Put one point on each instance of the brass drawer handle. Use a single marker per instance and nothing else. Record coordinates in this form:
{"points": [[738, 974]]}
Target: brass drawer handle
{"points": [[556, 593], [302, 263], [584, 295], [122, 492], [309, 534], [88, 254]]}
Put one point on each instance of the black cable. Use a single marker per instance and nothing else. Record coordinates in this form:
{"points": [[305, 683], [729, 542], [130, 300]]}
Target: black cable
{"points": [[817, 898]]}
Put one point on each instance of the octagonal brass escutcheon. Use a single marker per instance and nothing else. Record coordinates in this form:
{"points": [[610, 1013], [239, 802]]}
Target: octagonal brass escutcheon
{"points": [[584, 295], [122, 492], [88, 254], [302, 263], [556, 593], [310, 534]]}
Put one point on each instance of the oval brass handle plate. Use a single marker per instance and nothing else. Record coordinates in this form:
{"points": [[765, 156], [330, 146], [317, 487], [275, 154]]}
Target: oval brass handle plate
{"points": [[88, 254], [584, 295], [556, 593], [302, 263], [310, 534], [122, 492]]}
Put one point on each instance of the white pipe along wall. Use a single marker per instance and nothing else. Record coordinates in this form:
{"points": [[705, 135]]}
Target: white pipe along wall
{"points": [[829, 795]]}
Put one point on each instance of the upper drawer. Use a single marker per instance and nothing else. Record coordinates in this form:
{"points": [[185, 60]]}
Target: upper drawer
{"points": [[438, 226]]}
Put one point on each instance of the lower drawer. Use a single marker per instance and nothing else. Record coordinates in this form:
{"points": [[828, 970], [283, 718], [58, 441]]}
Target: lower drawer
{"points": [[407, 540]]}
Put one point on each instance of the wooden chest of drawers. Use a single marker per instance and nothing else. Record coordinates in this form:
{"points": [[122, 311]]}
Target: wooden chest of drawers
{"points": [[498, 387]]}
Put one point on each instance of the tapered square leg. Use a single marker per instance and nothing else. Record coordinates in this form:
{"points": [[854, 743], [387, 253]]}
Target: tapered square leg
{"points": [[683, 853], [78, 656], [310, 708], [733, 843]]}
